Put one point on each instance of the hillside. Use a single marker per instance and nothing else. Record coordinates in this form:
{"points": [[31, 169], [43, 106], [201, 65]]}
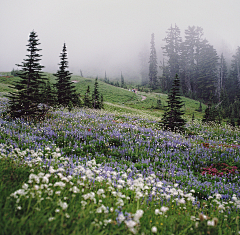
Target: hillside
{"points": [[119, 99]]}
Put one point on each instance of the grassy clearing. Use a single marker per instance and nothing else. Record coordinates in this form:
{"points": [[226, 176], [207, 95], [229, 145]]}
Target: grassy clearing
{"points": [[95, 172], [121, 99]]}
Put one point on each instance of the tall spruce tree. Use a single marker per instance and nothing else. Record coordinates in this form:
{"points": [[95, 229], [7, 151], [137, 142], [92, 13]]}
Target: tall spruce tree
{"points": [[25, 102], [87, 98], [122, 81], [172, 118], [144, 68], [66, 92], [96, 98], [223, 73], [172, 50], [153, 64], [49, 95], [233, 81], [189, 58], [207, 72]]}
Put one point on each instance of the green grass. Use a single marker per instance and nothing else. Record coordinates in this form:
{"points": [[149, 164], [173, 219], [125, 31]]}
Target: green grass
{"points": [[121, 100], [41, 207]]}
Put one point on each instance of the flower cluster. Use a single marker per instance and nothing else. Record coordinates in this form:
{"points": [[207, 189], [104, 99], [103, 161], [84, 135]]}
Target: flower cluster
{"points": [[219, 169]]}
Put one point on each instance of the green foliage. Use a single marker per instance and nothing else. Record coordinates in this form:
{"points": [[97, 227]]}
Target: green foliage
{"points": [[153, 64], [66, 91], [172, 51], [172, 117], [122, 81], [96, 97], [208, 72], [25, 101], [87, 99], [210, 114]]}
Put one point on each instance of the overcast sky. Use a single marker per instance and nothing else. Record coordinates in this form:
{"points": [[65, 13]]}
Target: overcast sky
{"points": [[108, 34]]}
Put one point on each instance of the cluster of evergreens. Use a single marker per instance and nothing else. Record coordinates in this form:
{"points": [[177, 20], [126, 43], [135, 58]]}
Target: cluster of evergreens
{"points": [[121, 84], [203, 74], [96, 100], [35, 95]]}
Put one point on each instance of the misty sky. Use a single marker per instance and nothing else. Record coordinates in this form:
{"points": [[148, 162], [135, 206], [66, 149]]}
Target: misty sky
{"points": [[108, 34]]}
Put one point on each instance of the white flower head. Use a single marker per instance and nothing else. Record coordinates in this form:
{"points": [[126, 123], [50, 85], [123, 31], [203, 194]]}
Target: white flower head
{"points": [[164, 209], [210, 223], [154, 229]]}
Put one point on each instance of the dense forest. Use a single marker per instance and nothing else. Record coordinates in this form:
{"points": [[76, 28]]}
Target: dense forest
{"points": [[204, 74]]}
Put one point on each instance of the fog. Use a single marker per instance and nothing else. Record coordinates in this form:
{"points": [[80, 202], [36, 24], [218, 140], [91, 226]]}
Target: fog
{"points": [[108, 35]]}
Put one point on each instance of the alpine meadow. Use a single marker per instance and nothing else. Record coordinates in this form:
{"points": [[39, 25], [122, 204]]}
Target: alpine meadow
{"points": [[152, 153]]}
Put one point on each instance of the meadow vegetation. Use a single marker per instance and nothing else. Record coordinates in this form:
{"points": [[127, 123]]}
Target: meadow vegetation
{"points": [[101, 172], [119, 99]]}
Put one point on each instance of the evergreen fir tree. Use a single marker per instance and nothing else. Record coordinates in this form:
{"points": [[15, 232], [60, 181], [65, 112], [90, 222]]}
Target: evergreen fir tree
{"points": [[188, 58], [101, 102], [233, 82], [193, 117], [87, 99], [159, 103], [222, 74], [25, 102], [96, 99], [66, 91], [172, 50], [122, 81], [144, 67], [153, 64], [105, 78], [208, 72], [172, 118], [49, 95], [210, 114]]}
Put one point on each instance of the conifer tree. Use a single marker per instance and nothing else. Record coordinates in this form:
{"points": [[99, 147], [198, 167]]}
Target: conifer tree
{"points": [[172, 118], [153, 64], [122, 81], [66, 91], [189, 52], [101, 102], [208, 72], [87, 99], [210, 114], [172, 51], [25, 102], [49, 95], [233, 82], [96, 99]]}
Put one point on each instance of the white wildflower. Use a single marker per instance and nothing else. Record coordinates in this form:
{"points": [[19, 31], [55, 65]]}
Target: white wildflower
{"points": [[164, 209], [154, 229]]}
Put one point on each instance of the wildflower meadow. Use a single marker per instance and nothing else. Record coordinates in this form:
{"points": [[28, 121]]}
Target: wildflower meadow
{"points": [[95, 172]]}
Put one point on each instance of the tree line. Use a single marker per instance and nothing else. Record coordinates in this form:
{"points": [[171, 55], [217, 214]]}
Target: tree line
{"points": [[34, 95], [204, 75]]}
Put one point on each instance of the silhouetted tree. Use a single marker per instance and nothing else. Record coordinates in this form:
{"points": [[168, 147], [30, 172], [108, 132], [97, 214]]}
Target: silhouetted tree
{"points": [[26, 101], [87, 99], [49, 95], [233, 82], [153, 64], [189, 52], [208, 72], [210, 114], [172, 50], [66, 91], [122, 81], [172, 118], [96, 98]]}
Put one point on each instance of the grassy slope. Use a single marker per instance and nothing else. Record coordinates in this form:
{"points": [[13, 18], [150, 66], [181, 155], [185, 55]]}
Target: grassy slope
{"points": [[121, 100]]}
